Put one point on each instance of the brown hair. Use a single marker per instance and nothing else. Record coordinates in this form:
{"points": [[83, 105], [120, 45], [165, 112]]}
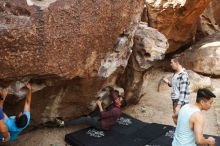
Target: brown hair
{"points": [[176, 58]]}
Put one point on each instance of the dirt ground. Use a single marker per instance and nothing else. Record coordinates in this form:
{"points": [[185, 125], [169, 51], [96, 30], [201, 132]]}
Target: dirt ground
{"points": [[153, 107]]}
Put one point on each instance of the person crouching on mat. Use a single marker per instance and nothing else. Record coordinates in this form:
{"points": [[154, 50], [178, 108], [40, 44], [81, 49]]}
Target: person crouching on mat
{"points": [[107, 118]]}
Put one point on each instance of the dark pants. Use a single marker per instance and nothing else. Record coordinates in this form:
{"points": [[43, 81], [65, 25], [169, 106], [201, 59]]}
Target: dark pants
{"points": [[91, 121], [175, 103]]}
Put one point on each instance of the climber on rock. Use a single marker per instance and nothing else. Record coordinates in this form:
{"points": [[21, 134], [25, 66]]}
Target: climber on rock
{"points": [[106, 119], [16, 124]]}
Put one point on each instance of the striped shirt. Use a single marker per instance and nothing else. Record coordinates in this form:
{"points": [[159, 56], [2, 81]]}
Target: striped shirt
{"points": [[180, 87]]}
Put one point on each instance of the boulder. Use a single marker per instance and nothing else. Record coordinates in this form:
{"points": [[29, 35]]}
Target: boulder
{"points": [[199, 81], [75, 48], [149, 46], [204, 56], [60, 37], [209, 21], [176, 19]]}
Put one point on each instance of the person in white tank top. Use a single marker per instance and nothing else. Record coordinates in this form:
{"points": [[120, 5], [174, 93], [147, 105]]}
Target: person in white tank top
{"points": [[190, 123]]}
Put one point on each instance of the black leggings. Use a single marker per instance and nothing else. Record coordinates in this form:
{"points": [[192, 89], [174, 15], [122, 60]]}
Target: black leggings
{"points": [[91, 121]]}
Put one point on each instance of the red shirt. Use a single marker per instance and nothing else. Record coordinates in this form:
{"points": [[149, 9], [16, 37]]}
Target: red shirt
{"points": [[109, 118]]}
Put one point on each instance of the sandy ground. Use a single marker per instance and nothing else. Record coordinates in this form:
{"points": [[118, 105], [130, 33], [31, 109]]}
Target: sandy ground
{"points": [[153, 107]]}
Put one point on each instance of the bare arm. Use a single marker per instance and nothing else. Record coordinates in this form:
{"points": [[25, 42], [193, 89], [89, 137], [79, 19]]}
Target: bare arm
{"points": [[167, 82], [27, 104], [4, 131], [198, 123], [5, 116], [99, 103]]}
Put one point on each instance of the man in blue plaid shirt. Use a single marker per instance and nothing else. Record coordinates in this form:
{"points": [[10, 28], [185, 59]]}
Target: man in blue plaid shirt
{"points": [[180, 87]]}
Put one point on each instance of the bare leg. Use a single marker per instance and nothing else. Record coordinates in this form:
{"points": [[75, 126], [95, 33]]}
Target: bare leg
{"points": [[175, 117]]}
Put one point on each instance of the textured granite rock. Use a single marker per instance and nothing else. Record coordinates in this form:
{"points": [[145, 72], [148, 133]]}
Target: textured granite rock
{"points": [[209, 22], [204, 56], [65, 38], [149, 46], [75, 48], [176, 19]]}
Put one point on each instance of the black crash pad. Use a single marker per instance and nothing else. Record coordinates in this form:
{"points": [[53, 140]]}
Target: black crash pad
{"points": [[128, 125], [93, 137], [121, 134], [127, 132], [152, 131], [167, 138]]}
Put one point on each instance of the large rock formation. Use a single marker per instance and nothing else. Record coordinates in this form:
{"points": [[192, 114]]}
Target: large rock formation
{"points": [[72, 98], [65, 38], [204, 56], [175, 19], [73, 47], [149, 46], [72, 50], [209, 22]]}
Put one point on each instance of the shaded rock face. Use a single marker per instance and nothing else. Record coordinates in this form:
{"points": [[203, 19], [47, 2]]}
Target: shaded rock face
{"points": [[209, 21], [204, 56], [175, 19]]}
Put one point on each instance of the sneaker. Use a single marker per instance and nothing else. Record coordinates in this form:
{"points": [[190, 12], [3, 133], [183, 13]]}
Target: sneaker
{"points": [[59, 122]]}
